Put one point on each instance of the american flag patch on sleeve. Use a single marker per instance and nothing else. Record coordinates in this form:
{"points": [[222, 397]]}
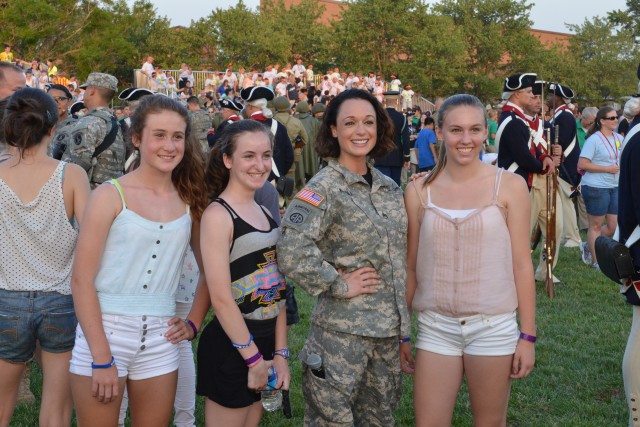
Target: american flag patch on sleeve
{"points": [[310, 197]]}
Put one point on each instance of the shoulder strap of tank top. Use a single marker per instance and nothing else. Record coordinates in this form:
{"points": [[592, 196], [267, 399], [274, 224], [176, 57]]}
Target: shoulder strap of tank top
{"points": [[272, 222], [422, 202], [119, 188], [229, 209], [497, 185]]}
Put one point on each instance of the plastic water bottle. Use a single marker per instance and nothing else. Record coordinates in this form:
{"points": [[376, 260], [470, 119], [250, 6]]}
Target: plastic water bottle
{"points": [[314, 362], [271, 397]]}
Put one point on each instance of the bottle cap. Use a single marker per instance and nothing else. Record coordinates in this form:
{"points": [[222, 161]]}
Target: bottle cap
{"points": [[314, 361]]}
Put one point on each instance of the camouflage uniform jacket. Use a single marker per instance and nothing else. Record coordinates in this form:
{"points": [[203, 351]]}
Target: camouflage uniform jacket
{"points": [[338, 222], [84, 136], [200, 125]]}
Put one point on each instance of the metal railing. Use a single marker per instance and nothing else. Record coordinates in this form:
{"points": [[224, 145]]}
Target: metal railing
{"points": [[141, 80]]}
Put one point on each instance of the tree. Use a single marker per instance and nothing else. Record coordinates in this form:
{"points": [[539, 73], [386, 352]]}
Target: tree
{"points": [[373, 34], [607, 58], [494, 31], [300, 25], [436, 57], [628, 19]]}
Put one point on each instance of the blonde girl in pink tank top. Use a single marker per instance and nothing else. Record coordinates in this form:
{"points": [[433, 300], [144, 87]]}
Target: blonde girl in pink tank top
{"points": [[468, 269]]}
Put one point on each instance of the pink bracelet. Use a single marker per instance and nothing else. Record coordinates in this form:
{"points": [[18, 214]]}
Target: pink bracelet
{"points": [[253, 360], [526, 337]]}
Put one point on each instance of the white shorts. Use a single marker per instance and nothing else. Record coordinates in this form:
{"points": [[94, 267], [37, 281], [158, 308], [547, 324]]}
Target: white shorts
{"points": [[478, 335], [137, 343], [413, 158]]}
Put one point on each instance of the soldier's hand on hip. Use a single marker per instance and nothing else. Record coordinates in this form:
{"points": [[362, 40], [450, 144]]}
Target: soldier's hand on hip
{"points": [[364, 280]]}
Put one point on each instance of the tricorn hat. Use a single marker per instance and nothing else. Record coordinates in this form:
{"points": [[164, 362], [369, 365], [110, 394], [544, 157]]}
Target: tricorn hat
{"points": [[256, 92], [562, 91], [230, 104], [519, 81]]}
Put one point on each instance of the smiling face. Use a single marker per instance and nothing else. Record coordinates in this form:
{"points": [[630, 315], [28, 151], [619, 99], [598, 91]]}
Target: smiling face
{"points": [[162, 142], [356, 132], [250, 163], [464, 129]]}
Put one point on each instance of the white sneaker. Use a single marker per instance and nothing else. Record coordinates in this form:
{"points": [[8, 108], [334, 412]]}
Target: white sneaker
{"points": [[586, 254], [595, 266]]}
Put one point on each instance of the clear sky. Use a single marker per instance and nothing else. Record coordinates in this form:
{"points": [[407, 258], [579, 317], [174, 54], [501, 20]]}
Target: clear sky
{"points": [[548, 15]]}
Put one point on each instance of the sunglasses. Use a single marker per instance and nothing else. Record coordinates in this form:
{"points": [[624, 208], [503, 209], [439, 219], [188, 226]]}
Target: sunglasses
{"points": [[612, 118]]}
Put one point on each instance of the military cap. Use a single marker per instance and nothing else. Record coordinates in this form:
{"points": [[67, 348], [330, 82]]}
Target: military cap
{"points": [[77, 106], [256, 92], [519, 81], [281, 103], [318, 107], [134, 94], [302, 107], [61, 88], [562, 91], [230, 104], [103, 80]]}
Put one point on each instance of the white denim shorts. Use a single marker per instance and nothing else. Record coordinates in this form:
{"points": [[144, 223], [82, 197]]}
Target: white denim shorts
{"points": [[137, 343], [478, 335]]}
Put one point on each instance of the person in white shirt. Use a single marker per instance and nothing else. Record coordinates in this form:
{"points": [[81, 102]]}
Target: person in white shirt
{"points": [[407, 98], [310, 74], [299, 70], [281, 87], [395, 84], [147, 67]]}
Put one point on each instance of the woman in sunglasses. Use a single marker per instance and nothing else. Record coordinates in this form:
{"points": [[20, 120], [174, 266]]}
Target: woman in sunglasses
{"points": [[600, 159]]}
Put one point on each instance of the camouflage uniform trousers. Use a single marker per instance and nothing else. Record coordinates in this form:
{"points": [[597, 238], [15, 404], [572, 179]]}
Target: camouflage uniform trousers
{"points": [[363, 380]]}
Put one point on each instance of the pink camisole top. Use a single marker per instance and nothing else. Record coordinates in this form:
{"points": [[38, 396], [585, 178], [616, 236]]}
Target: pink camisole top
{"points": [[464, 265]]}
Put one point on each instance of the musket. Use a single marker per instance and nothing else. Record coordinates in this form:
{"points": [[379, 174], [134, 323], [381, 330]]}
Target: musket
{"points": [[550, 241]]}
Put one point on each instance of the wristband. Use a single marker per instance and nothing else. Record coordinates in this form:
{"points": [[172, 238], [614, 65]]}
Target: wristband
{"points": [[195, 330], [404, 339], [252, 361], [526, 337], [243, 345], [105, 366]]}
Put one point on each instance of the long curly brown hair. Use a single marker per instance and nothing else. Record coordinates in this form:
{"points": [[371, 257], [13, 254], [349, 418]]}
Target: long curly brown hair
{"points": [[188, 176]]}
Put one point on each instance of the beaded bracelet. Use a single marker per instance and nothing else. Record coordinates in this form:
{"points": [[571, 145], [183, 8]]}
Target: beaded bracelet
{"points": [[253, 360], [105, 366], [404, 339], [195, 330], [526, 337], [243, 345]]}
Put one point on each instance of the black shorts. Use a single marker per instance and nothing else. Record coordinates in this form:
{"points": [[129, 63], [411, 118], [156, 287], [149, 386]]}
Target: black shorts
{"points": [[222, 373]]}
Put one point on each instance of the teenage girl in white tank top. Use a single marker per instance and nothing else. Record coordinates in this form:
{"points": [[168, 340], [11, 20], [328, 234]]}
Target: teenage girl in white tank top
{"points": [[162, 195]]}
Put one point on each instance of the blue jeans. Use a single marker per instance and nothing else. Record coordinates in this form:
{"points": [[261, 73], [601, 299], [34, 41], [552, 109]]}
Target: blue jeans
{"points": [[27, 317]]}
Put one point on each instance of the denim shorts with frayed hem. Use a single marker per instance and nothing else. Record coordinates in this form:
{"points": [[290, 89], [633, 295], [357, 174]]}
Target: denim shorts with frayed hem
{"points": [[30, 316], [600, 201]]}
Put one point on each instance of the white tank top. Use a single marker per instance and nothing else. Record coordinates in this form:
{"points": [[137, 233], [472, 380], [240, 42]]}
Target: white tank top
{"points": [[141, 263], [38, 240]]}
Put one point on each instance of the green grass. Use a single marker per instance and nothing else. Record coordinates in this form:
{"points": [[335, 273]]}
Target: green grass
{"points": [[577, 380]]}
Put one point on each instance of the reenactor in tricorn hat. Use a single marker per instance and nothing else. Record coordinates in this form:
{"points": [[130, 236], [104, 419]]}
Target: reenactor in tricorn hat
{"points": [[564, 130], [522, 148], [229, 110], [255, 99]]}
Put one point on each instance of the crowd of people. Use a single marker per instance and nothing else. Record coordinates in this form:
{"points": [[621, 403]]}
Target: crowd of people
{"points": [[295, 82], [145, 221]]}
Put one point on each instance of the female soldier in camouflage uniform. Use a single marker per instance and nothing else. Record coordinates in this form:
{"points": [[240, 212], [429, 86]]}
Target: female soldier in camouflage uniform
{"points": [[344, 240]]}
